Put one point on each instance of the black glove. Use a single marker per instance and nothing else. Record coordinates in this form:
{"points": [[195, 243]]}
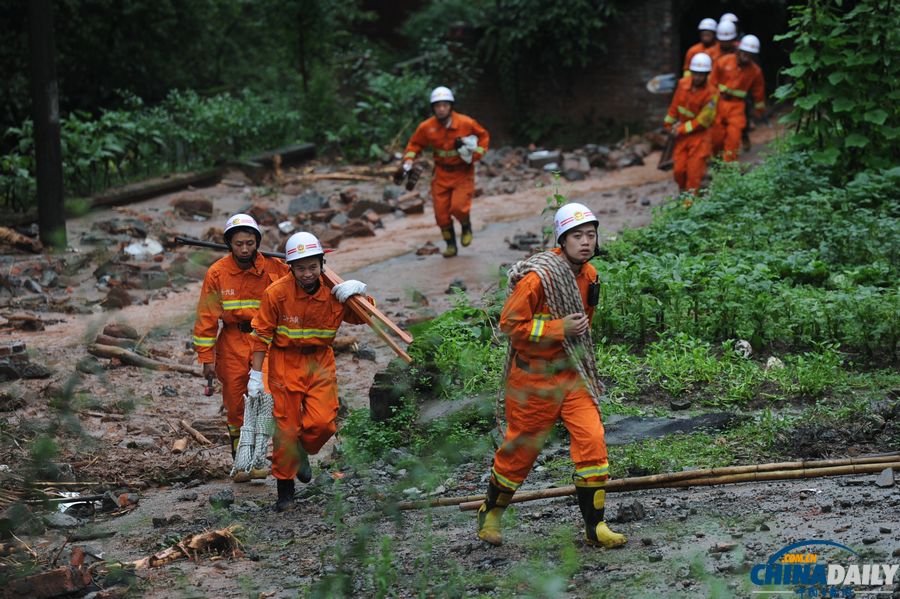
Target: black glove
{"points": [[399, 175], [413, 177], [458, 143]]}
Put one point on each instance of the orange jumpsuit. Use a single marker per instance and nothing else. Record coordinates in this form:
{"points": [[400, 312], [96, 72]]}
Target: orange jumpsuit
{"points": [[541, 388], [298, 329], [453, 184], [734, 82], [232, 295], [713, 52], [691, 112]]}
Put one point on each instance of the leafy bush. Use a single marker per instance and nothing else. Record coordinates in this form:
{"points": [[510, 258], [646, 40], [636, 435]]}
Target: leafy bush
{"points": [[777, 256], [845, 67], [185, 131]]}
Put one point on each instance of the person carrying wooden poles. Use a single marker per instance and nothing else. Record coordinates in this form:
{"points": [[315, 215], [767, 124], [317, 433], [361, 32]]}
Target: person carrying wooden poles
{"points": [[551, 373], [458, 141], [297, 322], [231, 292]]}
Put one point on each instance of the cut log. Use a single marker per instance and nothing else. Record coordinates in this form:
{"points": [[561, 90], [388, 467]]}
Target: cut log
{"points": [[180, 445], [197, 435], [133, 359], [19, 241], [114, 341]]}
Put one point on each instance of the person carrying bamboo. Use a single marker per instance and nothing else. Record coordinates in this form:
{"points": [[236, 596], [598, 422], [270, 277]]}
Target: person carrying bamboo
{"points": [[297, 322], [551, 374], [231, 292], [458, 141]]}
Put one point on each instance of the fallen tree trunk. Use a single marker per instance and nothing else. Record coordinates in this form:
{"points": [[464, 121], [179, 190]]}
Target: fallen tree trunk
{"points": [[221, 542], [133, 359], [114, 341], [625, 484], [17, 240]]}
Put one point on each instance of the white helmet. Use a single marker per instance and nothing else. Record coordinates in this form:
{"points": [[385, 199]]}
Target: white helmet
{"points": [[729, 16], [726, 31], [442, 94], [749, 43], [701, 63], [241, 221], [571, 216], [302, 245], [707, 25]]}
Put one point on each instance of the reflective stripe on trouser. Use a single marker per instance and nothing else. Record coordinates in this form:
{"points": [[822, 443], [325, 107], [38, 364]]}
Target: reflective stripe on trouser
{"points": [[726, 132], [452, 194], [690, 156], [304, 390], [233, 360], [533, 404]]}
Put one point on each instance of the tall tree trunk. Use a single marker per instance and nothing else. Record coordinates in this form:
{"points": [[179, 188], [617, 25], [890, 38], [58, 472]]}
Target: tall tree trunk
{"points": [[45, 105]]}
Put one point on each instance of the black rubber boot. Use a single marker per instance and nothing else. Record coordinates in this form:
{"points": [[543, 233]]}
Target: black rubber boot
{"points": [[285, 495], [490, 512], [466, 237], [449, 236], [304, 474], [592, 503]]}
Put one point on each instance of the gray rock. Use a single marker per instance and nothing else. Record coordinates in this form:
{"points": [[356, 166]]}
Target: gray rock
{"points": [[309, 201], [360, 207], [392, 192], [631, 512], [169, 391], [884, 530], [222, 499], [89, 365], [323, 479], [143, 442], [365, 353], [654, 557], [870, 540], [454, 286], [542, 158], [885, 479], [61, 521], [19, 519]]}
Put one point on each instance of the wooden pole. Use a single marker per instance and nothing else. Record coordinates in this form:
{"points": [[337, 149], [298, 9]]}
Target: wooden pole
{"points": [[197, 435], [45, 107], [625, 484]]}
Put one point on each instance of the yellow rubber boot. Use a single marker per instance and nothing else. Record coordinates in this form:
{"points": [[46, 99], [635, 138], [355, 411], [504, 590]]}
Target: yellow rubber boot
{"points": [[490, 513], [466, 237], [592, 503], [449, 236]]}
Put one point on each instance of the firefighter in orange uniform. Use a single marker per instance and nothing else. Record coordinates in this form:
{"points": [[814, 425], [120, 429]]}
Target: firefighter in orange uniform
{"points": [[231, 293], [458, 141], [544, 386], [297, 322], [690, 115], [707, 44], [736, 76]]}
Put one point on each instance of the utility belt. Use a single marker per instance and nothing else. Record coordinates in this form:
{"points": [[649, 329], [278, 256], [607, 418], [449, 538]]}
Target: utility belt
{"points": [[303, 349], [731, 97], [537, 366], [452, 167], [243, 326]]}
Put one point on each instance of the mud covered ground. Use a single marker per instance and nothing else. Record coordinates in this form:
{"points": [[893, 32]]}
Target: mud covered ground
{"points": [[117, 424]]}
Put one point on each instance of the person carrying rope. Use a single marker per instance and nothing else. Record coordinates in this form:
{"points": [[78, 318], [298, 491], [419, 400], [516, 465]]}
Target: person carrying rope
{"points": [[551, 373]]}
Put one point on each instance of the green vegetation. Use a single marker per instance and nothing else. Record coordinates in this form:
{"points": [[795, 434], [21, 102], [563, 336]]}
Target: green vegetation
{"points": [[839, 50]]}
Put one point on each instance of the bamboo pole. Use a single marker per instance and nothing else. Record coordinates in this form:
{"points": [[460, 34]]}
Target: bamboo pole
{"points": [[891, 457], [625, 484]]}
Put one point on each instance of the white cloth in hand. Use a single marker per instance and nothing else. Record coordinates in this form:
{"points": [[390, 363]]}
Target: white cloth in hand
{"points": [[255, 384], [343, 291], [470, 142]]}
